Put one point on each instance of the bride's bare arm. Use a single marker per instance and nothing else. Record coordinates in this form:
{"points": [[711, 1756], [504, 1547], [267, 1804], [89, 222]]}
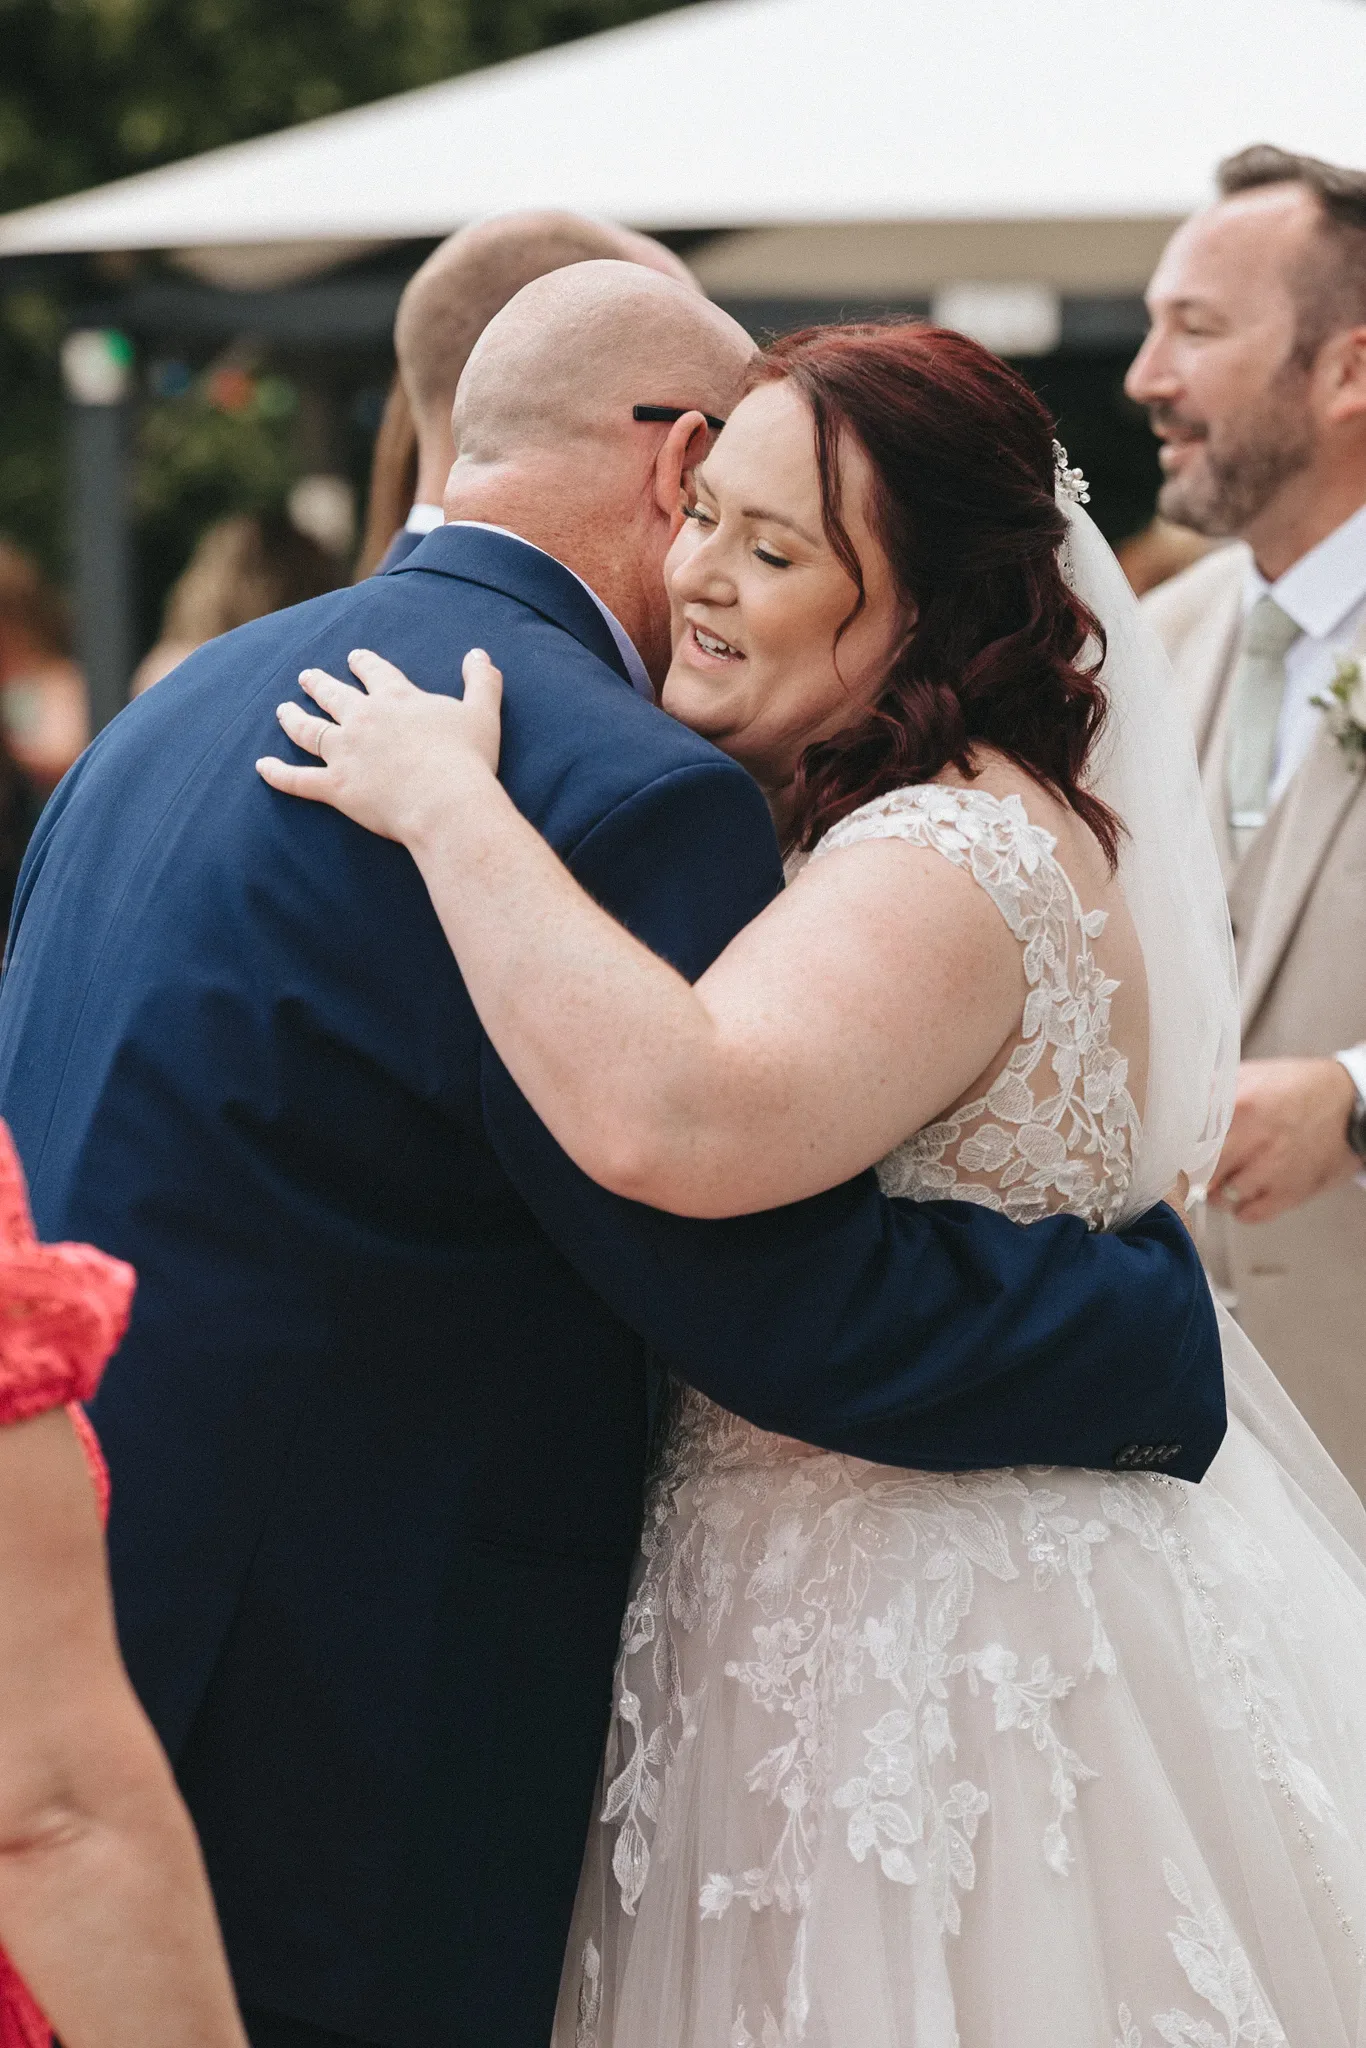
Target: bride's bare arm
{"points": [[858, 1005]]}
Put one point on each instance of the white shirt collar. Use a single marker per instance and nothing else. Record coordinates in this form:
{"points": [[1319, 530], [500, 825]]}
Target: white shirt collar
{"points": [[1319, 590], [625, 646], [424, 519]]}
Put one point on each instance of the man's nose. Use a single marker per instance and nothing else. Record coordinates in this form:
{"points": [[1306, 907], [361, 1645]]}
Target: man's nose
{"points": [[1150, 375]]}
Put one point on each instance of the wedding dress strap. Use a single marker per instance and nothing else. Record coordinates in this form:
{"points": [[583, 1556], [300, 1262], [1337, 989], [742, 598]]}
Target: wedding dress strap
{"points": [[1057, 1125], [993, 837]]}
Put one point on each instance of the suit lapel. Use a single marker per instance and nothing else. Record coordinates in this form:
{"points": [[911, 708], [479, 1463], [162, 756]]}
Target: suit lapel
{"points": [[1208, 654], [1207, 657], [1214, 772], [502, 562], [1278, 870]]}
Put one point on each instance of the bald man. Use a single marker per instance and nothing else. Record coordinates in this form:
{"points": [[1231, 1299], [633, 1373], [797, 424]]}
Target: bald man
{"points": [[378, 1430], [446, 306]]}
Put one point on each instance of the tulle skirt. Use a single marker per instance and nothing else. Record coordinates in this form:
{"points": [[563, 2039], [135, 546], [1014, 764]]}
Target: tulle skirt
{"points": [[1025, 1759]]}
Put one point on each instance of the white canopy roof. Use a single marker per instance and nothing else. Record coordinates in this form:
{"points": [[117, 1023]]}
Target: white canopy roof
{"points": [[783, 114]]}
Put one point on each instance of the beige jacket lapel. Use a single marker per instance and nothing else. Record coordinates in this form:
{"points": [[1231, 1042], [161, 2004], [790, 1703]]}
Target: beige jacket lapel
{"points": [[1273, 879], [1214, 772], [1209, 649], [1199, 616]]}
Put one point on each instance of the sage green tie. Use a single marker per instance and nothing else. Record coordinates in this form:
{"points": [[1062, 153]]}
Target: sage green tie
{"points": [[1258, 689]]}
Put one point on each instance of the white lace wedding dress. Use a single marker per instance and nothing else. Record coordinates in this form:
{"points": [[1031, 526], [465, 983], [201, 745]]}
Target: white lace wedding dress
{"points": [[1007, 1759]]}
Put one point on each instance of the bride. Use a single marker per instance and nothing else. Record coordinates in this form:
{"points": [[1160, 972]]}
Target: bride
{"points": [[1005, 1759]]}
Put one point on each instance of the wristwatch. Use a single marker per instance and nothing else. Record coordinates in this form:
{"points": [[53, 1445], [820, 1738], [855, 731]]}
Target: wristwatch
{"points": [[1353, 1061], [1356, 1127]]}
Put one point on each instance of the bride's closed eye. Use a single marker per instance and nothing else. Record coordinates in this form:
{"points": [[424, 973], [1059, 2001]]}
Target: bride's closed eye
{"points": [[702, 517]]}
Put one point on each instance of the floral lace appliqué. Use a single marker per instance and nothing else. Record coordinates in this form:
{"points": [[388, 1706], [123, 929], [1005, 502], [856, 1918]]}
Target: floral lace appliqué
{"points": [[1015, 1148], [1219, 1973]]}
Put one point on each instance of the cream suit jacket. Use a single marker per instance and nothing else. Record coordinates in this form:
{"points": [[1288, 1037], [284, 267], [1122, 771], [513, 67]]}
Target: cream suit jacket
{"points": [[1298, 903]]}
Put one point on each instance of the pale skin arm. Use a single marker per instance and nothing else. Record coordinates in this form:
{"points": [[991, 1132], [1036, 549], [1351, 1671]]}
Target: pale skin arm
{"points": [[861, 1003], [104, 1905]]}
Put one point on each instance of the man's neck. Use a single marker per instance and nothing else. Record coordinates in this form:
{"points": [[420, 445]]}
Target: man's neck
{"points": [[1308, 509], [544, 515]]}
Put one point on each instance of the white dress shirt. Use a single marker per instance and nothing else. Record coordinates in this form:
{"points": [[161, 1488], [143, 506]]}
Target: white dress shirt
{"points": [[426, 518], [1325, 594]]}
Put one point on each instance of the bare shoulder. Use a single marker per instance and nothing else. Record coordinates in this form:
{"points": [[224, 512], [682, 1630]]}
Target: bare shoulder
{"points": [[894, 895], [962, 904], [886, 864]]}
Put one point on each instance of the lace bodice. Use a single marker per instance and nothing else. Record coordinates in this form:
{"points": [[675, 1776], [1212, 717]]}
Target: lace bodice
{"points": [[1057, 1127]]}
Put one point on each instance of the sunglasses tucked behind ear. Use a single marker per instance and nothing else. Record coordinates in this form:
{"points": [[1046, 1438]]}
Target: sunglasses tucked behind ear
{"points": [[669, 413]]}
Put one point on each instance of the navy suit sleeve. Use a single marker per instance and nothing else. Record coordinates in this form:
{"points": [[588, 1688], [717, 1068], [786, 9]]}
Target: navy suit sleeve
{"points": [[931, 1335]]}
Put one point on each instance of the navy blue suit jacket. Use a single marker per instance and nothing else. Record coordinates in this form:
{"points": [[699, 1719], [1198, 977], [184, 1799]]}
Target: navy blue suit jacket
{"points": [[399, 549], [378, 1429]]}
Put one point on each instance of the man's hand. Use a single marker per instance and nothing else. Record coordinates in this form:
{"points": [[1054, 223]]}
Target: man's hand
{"points": [[1288, 1139]]}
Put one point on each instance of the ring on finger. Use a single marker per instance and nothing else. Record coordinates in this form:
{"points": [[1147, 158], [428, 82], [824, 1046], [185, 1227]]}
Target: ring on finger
{"points": [[1233, 1194]]}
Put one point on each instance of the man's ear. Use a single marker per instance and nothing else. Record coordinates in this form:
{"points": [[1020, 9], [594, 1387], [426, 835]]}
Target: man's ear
{"points": [[1346, 366], [683, 447]]}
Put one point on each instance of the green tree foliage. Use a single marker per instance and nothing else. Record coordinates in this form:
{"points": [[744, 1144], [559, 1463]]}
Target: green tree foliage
{"points": [[95, 89], [30, 421], [92, 90]]}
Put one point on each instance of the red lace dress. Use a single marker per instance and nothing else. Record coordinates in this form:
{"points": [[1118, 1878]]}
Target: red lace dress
{"points": [[63, 1309]]}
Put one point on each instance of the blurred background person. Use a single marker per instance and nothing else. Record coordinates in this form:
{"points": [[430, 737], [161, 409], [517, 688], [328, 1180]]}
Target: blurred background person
{"points": [[44, 722], [241, 568], [104, 1904], [20, 805], [445, 308], [1254, 376], [43, 713], [393, 480]]}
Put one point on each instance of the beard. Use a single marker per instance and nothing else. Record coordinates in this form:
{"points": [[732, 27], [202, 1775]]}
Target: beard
{"points": [[1244, 465]]}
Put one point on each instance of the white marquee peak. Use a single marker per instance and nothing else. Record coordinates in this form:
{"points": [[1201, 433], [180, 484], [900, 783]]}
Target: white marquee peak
{"points": [[771, 113]]}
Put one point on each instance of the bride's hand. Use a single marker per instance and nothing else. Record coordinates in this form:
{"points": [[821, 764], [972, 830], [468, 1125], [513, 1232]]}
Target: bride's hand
{"points": [[390, 752]]}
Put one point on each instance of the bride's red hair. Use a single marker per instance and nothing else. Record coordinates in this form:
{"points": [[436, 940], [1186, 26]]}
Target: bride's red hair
{"points": [[1000, 652]]}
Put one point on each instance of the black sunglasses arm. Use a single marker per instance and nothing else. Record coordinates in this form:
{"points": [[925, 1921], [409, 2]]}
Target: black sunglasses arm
{"points": [[667, 414]]}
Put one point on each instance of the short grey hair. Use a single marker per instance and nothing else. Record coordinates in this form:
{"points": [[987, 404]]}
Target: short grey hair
{"points": [[1330, 285]]}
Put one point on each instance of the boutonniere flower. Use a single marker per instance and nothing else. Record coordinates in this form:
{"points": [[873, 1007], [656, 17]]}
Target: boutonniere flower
{"points": [[1345, 706]]}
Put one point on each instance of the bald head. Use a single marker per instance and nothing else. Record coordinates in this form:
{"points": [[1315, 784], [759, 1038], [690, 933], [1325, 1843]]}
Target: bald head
{"points": [[568, 358], [547, 442], [463, 284]]}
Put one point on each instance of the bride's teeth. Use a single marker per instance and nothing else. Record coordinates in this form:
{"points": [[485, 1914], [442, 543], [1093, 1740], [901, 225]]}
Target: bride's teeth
{"points": [[711, 643]]}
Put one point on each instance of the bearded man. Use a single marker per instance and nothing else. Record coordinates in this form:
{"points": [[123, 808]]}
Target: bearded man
{"points": [[1254, 377]]}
